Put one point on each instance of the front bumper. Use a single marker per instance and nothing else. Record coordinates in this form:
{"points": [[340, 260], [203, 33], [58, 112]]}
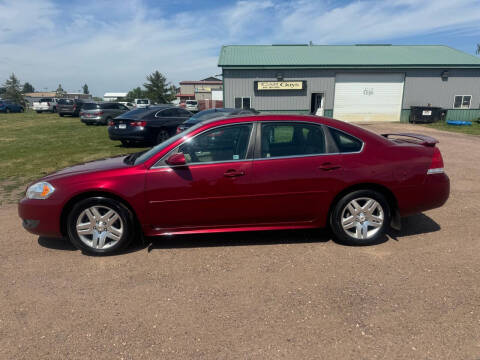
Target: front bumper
{"points": [[41, 217]]}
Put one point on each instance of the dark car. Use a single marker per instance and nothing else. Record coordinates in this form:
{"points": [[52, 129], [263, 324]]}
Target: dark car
{"points": [[101, 113], [263, 172], [213, 114], [154, 124], [69, 107], [7, 106]]}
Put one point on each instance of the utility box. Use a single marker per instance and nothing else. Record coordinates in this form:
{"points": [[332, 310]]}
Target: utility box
{"points": [[426, 114]]}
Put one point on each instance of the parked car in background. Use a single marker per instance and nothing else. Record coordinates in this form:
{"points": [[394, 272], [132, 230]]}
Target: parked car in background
{"points": [[141, 103], [45, 104], [191, 105], [8, 106], [101, 113], [213, 114], [153, 125], [129, 105], [69, 106], [265, 172]]}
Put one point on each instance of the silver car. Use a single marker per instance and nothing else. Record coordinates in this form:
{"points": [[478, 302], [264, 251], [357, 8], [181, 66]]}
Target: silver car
{"points": [[101, 113]]}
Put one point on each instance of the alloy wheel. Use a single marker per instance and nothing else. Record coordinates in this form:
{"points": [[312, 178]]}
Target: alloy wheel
{"points": [[99, 227], [362, 218]]}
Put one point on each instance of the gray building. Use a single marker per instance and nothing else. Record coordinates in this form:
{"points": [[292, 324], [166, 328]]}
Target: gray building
{"points": [[351, 82]]}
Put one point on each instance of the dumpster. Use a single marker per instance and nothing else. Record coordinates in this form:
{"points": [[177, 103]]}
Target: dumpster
{"points": [[426, 114]]}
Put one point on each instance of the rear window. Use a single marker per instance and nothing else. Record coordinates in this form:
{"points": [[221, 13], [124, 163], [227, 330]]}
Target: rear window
{"points": [[90, 106], [65, 102], [192, 102], [345, 142], [142, 101], [46, 100], [134, 114]]}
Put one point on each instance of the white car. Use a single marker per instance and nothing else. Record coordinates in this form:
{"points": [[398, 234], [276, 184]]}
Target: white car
{"points": [[141, 103], [191, 105], [45, 104]]}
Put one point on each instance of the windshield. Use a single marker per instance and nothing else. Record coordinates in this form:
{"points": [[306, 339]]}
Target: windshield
{"points": [[46, 100], [90, 106], [65, 102], [148, 154], [142, 101]]}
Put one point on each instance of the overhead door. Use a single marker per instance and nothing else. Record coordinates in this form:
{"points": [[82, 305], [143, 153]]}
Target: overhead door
{"points": [[368, 97]]}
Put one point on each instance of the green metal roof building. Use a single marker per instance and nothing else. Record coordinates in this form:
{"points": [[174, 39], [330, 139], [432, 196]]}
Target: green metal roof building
{"points": [[351, 82]]}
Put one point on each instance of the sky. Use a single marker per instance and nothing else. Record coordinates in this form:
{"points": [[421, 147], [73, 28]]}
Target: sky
{"points": [[113, 45]]}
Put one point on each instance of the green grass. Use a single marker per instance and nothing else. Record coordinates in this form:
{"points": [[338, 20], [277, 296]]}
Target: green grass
{"points": [[33, 145], [473, 129]]}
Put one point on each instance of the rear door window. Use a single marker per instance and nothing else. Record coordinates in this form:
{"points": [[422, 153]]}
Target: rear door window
{"points": [[291, 139], [90, 106]]}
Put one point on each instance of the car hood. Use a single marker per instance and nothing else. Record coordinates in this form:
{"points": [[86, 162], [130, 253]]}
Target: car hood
{"points": [[89, 167]]}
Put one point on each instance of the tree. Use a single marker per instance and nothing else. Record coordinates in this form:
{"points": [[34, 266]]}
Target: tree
{"points": [[136, 93], [13, 90], [60, 92], [158, 89], [28, 88], [478, 49], [85, 89]]}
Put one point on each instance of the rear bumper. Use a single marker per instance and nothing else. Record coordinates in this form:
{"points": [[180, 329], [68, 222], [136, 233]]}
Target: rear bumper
{"points": [[433, 193], [40, 217], [136, 133], [92, 120]]}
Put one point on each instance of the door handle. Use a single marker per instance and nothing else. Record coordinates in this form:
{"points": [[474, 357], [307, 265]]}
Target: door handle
{"points": [[233, 173], [329, 166]]}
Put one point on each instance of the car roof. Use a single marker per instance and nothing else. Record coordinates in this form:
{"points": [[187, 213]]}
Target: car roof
{"points": [[350, 128]]}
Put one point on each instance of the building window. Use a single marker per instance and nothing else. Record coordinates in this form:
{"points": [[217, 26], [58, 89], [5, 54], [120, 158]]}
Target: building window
{"points": [[462, 101], [242, 103]]}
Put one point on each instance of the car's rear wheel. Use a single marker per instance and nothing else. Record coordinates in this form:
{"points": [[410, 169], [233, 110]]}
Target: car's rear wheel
{"points": [[54, 109], [162, 136], [100, 226], [361, 217], [7, 110], [22, 109], [39, 111], [61, 115], [126, 143]]}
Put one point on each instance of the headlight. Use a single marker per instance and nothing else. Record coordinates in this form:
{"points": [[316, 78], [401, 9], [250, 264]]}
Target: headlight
{"points": [[40, 190]]}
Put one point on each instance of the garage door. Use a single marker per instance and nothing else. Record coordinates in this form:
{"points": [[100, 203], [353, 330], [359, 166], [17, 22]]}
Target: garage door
{"points": [[368, 97]]}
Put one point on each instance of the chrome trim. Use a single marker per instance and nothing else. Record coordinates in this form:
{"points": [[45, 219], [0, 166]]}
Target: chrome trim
{"points": [[210, 162], [435, 171]]}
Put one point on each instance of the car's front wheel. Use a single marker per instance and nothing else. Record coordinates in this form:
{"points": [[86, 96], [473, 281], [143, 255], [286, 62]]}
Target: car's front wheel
{"points": [[100, 226], [361, 217]]}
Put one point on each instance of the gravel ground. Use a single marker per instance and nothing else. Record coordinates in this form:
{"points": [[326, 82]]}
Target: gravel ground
{"points": [[293, 294]]}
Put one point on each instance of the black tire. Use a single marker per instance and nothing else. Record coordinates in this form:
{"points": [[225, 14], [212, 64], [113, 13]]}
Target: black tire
{"points": [[340, 209], [39, 111], [162, 135], [126, 143], [7, 110], [107, 120], [61, 115], [22, 110], [54, 110], [127, 222]]}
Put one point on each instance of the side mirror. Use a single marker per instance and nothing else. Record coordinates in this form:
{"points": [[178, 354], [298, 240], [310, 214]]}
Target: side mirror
{"points": [[176, 159]]}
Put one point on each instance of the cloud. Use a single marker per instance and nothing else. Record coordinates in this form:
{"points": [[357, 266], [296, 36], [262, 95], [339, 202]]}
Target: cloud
{"points": [[112, 46]]}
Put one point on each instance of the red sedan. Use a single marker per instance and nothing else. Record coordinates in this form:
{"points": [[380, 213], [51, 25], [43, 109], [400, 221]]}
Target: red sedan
{"points": [[248, 173]]}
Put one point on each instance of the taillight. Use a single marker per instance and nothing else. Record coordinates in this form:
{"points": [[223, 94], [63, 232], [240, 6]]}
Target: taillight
{"points": [[111, 123], [436, 166], [48, 104], [179, 129], [74, 107], [138, 123]]}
